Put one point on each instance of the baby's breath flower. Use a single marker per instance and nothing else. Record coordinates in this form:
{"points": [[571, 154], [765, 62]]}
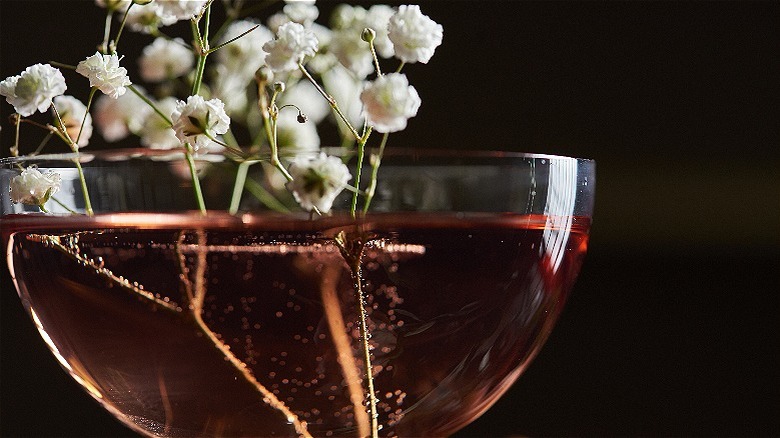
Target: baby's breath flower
{"points": [[378, 18], [293, 43], [148, 18], [156, 133], [352, 52], [104, 72], [72, 112], [389, 101], [179, 9], [245, 55], [116, 118], [414, 35], [197, 119], [317, 181], [33, 187], [301, 11], [113, 5], [34, 89], [165, 59]]}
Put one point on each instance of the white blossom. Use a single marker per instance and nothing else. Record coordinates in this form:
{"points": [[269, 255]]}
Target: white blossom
{"points": [[317, 181], [104, 72], [156, 132], [389, 101], [165, 59], [72, 113], [117, 118], [148, 18], [197, 119], [301, 11], [414, 35], [244, 55], [33, 187], [293, 43], [352, 52], [113, 5], [179, 9], [33, 89], [231, 88]]}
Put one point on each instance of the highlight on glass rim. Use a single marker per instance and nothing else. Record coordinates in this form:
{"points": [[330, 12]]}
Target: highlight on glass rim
{"points": [[231, 275]]}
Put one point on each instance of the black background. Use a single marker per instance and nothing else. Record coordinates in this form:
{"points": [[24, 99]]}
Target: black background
{"points": [[672, 328]]}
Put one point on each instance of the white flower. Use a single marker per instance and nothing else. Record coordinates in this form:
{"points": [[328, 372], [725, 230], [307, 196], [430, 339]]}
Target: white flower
{"points": [[34, 89], [116, 118], [389, 101], [414, 35], [72, 113], [148, 18], [317, 181], [231, 88], [301, 11], [113, 5], [244, 55], [33, 187], [104, 72], [198, 119], [352, 52], [165, 59], [179, 9], [292, 44], [156, 133]]}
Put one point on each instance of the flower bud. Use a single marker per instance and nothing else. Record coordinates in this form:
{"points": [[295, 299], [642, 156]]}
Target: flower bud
{"points": [[302, 117], [279, 87], [368, 35], [264, 74], [142, 2]]}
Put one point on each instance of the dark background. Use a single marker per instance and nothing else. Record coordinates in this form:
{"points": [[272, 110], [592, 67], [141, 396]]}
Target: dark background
{"points": [[673, 326]]}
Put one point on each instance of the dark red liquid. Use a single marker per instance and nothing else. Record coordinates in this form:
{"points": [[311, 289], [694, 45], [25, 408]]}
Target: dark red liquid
{"points": [[457, 307]]}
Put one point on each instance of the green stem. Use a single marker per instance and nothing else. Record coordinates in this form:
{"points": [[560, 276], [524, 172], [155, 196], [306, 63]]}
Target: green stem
{"points": [[63, 133], [62, 205], [195, 181], [331, 101], [86, 113], [214, 49], [121, 28], [375, 162], [361, 149], [238, 186], [106, 30], [264, 196], [151, 104], [87, 203]]}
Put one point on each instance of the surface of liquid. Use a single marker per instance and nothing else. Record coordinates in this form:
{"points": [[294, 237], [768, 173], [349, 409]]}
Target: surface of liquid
{"points": [[223, 326]]}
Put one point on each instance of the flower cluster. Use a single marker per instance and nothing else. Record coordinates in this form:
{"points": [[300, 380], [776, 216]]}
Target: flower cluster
{"points": [[249, 90]]}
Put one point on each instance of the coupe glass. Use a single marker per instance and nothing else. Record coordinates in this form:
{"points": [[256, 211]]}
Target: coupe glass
{"points": [[410, 320]]}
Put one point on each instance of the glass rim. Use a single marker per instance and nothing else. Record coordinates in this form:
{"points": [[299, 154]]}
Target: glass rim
{"points": [[115, 154]]}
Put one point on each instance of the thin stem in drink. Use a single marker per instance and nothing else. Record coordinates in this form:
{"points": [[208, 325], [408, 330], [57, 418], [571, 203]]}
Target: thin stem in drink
{"points": [[238, 186], [376, 161], [75, 148], [188, 154]]}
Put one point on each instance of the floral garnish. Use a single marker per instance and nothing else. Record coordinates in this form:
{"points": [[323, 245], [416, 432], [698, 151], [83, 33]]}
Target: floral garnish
{"points": [[317, 181], [389, 102], [292, 44], [34, 89], [414, 35], [165, 59], [33, 187], [104, 72], [198, 121]]}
